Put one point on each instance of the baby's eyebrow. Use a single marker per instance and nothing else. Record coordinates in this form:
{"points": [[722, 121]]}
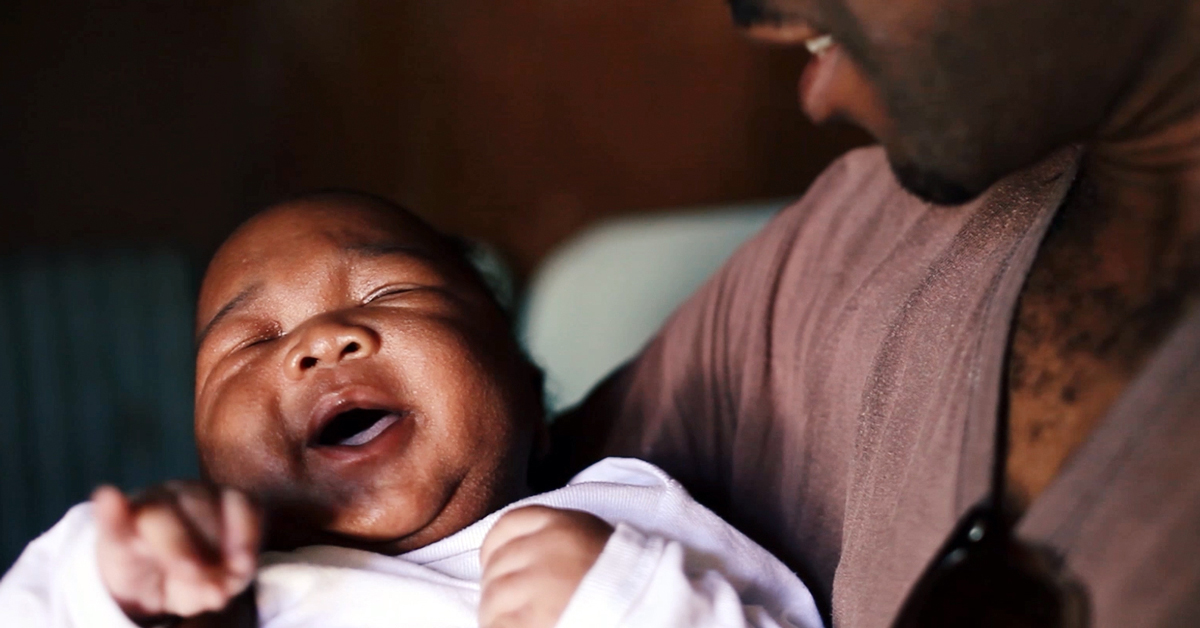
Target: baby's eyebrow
{"points": [[385, 249], [228, 309]]}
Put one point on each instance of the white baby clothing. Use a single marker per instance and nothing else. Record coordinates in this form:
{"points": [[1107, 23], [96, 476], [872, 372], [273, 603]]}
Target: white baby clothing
{"points": [[670, 562]]}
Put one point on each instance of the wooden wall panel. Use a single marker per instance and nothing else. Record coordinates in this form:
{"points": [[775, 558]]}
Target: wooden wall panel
{"points": [[516, 121]]}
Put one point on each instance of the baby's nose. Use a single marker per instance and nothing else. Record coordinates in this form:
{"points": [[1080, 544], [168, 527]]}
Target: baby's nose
{"points": [[327, 344]]}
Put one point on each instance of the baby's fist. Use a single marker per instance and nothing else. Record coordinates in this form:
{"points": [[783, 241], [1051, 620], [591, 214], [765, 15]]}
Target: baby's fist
{"points": [[179, 550], [533, 560]]}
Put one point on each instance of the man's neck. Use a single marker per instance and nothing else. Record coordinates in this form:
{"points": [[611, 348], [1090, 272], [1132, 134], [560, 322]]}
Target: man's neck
{"points": [[1118, 269]]}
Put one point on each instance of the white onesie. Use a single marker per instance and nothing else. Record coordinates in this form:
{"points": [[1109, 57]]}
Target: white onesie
{"points": [[671, 562]]}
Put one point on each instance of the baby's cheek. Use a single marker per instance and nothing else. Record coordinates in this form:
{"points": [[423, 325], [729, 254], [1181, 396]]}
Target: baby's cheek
{"points": [[234, 444], [228, 459]]}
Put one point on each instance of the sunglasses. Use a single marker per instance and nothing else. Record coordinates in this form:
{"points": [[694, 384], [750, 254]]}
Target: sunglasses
{"points": [[984, 576]]}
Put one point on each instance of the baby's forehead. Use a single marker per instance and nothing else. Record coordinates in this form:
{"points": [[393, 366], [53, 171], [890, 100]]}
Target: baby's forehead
{"points": [[314, 232], [338, 222], [328, 223]]}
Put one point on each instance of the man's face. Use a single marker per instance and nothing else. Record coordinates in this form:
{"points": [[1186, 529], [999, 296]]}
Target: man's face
{"points": [[353, 378], [962, 92]]}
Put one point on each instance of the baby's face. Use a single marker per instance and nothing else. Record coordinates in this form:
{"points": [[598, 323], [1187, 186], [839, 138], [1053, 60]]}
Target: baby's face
{"points": [[354, 378]]}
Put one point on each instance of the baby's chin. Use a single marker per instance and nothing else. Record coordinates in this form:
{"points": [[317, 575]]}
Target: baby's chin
{"points": [[288, 530], [375, 526], [383, 524]]}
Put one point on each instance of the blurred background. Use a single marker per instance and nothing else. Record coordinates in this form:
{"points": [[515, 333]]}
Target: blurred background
{"points": [[135, 135]]}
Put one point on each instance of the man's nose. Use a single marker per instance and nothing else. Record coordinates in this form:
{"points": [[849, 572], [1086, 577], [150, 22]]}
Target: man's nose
{"points": [[327, 344]]}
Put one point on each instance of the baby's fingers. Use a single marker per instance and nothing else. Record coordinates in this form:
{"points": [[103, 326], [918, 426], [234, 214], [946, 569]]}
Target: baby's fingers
{"points": [[241, 533], [194, 577], [174, 542], [221, 524], [114, 516], [180, 548], [228, 527]]}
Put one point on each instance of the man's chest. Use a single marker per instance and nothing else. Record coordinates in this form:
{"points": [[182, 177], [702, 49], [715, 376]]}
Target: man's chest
{"points": [[1091, 313], [1059, 387]]}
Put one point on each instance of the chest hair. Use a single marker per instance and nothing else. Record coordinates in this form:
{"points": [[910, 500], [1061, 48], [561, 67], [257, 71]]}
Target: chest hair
{"points": [[1106, 288]]}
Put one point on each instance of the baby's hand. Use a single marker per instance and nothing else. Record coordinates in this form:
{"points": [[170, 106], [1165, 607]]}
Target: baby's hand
{"points": [[533, 560], [181, 549]]}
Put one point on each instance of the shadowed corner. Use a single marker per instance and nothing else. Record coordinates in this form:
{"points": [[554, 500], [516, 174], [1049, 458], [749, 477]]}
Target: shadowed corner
{"points": [[242, 612]]}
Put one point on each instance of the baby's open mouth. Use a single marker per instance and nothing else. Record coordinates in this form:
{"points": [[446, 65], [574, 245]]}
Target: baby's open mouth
{"points": [[355, 427]]}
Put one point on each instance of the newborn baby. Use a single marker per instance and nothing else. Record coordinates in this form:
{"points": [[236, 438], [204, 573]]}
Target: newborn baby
{"points": [[365, 421]]}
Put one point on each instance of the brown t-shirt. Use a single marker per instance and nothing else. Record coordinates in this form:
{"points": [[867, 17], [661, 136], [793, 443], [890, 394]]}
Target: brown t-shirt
{"points": [[832, 391]]}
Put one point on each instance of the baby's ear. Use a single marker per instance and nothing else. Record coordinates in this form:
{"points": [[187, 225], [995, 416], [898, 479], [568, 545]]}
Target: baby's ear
{"points": [[535, 405], [539, 420], [540, 457], [539, 400], [541, 441]]}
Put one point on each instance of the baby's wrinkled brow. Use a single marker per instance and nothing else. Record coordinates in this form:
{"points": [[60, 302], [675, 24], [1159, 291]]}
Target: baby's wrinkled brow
{"points": [[227, 309], [387, 248]]}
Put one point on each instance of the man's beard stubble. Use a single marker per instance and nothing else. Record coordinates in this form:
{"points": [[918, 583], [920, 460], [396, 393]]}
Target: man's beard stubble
{"points": [[931, 186]]}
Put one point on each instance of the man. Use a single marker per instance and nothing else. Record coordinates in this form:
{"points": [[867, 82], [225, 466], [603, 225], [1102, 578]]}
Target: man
{"points": [[841, 388]]}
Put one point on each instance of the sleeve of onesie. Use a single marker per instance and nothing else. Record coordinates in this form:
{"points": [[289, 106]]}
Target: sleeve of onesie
{"points": [[56, 581], [641, 580]]}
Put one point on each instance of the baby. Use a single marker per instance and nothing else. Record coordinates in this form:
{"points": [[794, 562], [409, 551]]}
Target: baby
{"points": [[365, 421]]}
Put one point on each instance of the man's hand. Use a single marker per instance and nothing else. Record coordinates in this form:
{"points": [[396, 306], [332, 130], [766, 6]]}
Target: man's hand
{"points": [[533, 560], [181, 549]]}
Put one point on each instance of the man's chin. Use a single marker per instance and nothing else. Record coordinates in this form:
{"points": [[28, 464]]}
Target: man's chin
{"points": [[931, 186]]}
